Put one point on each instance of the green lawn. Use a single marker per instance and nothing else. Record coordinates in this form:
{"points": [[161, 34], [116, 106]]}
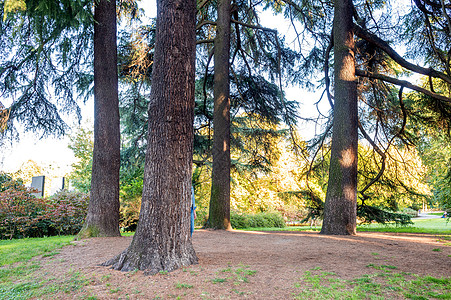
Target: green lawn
{"points": [[20, 250], [19, 278], [432, 226]]}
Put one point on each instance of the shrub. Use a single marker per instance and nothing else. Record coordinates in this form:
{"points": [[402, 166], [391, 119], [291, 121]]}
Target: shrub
{"points": [[409, 211], [24, 215], [265, 219], [129, 213], [239, 220], [201, 217], [66, 212], [20, 212]]}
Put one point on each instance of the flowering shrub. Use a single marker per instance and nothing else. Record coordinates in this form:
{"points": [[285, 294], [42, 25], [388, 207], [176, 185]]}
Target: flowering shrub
{"points": [[20, 212], [23, 215], [66, 211]]}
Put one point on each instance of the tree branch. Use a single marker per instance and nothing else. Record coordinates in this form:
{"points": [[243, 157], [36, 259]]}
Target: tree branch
{"points": [[326, 69], [203, 23], [404, 83], [381, 44], [381, 153], [206, 41], [254, 26]]}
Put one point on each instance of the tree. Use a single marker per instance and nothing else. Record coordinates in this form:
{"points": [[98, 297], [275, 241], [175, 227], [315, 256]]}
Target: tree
{"points": [[341, 198], [162, 239], [82, 144], [103, 211], [48, 47], [219, 216]]}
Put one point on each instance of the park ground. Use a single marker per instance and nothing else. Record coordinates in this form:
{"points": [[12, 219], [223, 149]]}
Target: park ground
{"points": [[259, 265]]}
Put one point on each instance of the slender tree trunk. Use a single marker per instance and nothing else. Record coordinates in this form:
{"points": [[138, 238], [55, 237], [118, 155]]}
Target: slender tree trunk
{"points": [[341, 197], [162, 240], [103, 211], [219, 214]]}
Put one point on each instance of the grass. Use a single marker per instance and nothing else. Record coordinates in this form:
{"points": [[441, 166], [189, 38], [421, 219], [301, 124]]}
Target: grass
{"points": [[384, 284], [431, 226], [18, 274], [20, 277], [238, 275], [20, 250]]}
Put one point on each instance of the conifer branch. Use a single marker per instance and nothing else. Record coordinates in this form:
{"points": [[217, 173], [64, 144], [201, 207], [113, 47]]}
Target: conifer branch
{"points": [[402, 83], [206, 41], [383, 156], [384, 46]]}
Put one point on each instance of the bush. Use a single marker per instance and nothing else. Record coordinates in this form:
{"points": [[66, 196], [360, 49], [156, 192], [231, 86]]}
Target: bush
{"points": [[409, 211], [24, 215], [66, 212], [201, 217], [20, 212], [265, 219]]}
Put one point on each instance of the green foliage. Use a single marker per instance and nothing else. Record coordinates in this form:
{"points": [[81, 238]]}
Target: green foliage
{"points": [[49, 55], [266, 219], [436, 154], [82, 144], [67, 211], [131, 188], [20, 212], [368, 214], [23, 215], [8, 181]]}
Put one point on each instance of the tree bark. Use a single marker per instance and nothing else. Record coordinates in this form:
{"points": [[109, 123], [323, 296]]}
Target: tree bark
{"points": [[341, 198], [219, 212], [162, 241], [103, 211]]}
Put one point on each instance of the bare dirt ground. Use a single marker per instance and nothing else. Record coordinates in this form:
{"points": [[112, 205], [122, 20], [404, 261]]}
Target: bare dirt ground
{"points": [[251, 265]]}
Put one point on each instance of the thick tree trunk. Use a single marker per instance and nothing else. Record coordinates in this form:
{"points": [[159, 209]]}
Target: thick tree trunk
{"points": [[103, 211], [340, 207], [162, 240], [219, 214]]}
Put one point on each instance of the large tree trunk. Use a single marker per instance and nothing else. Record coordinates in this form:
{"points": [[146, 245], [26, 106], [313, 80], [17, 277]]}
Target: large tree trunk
{"points": [[162, 240], [219, 214], [103, 212], [341, 197]]}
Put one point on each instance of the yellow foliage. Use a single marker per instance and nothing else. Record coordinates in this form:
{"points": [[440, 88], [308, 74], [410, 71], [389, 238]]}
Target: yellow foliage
{"points": [[12, 6]]}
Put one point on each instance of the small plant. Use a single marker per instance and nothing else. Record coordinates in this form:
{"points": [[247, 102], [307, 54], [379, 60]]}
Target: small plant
{"points": [[105, 277], [163, 272], [116, 290], [183, 286], [437, 250], [218, 280], [381, 267]]}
